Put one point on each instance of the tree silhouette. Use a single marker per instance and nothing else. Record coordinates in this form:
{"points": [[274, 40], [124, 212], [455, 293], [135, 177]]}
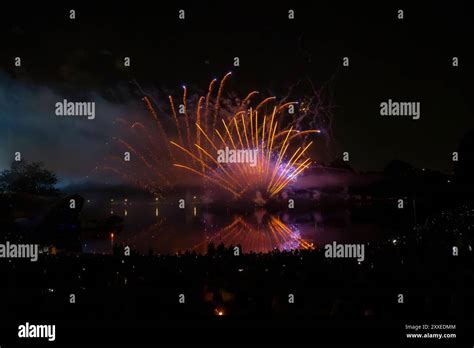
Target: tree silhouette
{"points": [[25, 177]]}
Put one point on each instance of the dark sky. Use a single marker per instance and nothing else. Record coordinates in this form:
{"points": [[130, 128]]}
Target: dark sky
{"points": [[407, 60]]}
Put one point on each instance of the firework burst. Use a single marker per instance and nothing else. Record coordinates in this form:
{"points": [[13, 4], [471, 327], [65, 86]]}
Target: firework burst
{"points": [[189, 134]]}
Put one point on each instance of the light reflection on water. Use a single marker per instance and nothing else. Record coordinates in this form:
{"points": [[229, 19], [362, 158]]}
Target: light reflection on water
{"points": [[165, 229], [268, 233]]}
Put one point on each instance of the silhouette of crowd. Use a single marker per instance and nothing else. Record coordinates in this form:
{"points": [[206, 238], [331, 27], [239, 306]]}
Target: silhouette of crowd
{"points": [[435, 282]]}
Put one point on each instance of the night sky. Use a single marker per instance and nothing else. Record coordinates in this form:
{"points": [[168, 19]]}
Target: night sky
{"points": [[405, 60]]}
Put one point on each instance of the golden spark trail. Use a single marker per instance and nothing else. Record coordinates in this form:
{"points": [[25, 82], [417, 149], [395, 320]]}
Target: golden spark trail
{"points": [[264, 102], [160, 126], [208, 97], [186, 117], [218, 100], [197, 159], [198, 120], [176, 119], [208, 178]]}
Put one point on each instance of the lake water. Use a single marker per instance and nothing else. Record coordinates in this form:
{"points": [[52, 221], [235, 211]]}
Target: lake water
{"points": [[166, 229]]}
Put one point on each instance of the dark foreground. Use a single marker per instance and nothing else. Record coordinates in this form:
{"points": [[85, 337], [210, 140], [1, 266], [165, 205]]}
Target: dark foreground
{"points": [[231, 299]]}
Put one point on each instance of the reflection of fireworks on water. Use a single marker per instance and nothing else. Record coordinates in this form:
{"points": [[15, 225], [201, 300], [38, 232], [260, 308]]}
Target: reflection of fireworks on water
{"points": [[203, 125], [264, 237]]}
